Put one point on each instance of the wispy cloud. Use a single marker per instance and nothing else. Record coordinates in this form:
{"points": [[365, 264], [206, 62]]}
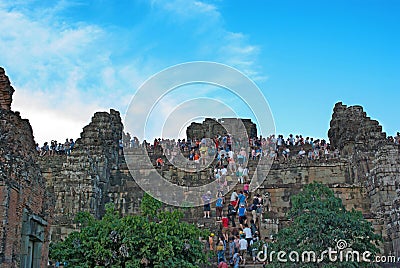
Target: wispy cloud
{"points": [[64, 71], [215, 41]]}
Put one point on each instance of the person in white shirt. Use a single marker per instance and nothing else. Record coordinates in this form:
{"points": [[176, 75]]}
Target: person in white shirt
{"points": [[248, 234], [234, 197], [245, 174], [231, 154], [243, 249], [224, 173], [301, 153]]}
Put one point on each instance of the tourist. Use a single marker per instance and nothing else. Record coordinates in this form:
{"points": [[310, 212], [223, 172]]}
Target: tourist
{"points": [[203, 154], [191, 155], [217, 175], [265, 249], [236, 260], [38, 148], [234, 198], [254, 206], [241, 198], [225, 227], [326, 153], [310, 155], [291, 140], [301, 153], [60, 149], [248, 236], [242, 156], [207, 206], [253, 154], [272, 154], [316, 153], [397, 138], [253, 227], [239, 174], [259, 209], [224, 173], [159, 162], [196, 158], [121, 147], [236, 240], [231, 165], [253, 246], [232, 214], [45, 149], [336, 152], [222, 264], [242, 215], [220, 250], [259, 152], [246, 187], [286, 153], [53, 147], [243, 244], [219, 206], [211, 242], [71, 146], [245, 174], [232, 247]]}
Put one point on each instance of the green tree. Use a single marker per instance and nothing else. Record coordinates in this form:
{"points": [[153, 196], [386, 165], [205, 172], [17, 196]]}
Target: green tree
{"points": [[154, 239], [318, 221]]}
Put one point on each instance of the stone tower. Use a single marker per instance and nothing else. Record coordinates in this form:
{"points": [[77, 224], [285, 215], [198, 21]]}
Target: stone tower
{"points": [[25, 208], [374, 162]]}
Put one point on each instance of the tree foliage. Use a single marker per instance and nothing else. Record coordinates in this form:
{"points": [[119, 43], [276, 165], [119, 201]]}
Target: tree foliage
{"points": [[318, 221], [154, 239]]}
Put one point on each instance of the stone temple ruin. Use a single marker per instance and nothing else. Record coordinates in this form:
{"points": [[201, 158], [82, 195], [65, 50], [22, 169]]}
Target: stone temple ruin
{"points": [[210, 128], [40, 196]]}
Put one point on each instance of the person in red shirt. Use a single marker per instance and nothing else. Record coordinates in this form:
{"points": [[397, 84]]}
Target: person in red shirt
{"points": [[223, 264], [160, 162], [216, 141], [225, 227], [196, 158]]}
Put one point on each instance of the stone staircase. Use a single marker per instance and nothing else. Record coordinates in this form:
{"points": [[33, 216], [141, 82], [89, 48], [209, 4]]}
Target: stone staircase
{"points": [[271, 219], [195, 214]]}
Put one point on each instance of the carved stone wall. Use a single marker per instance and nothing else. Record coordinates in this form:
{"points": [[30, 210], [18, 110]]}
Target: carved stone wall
{"points": [[374, 162], [212, 127], [352, 131], [25, 208], [81, 181]]}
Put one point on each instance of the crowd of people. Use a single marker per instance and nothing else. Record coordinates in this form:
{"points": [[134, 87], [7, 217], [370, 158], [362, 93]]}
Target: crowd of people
{"points": [[238, 238], [228, 158], [226, 147], [395, 139], [56, 148]]}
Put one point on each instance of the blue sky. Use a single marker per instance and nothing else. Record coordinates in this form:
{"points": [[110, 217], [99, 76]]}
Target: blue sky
{"points": [[68, 59]]}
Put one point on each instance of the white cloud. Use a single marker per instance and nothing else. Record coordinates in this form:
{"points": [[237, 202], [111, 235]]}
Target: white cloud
{"points": [[64, 72], [187, 9], [216, 42]]}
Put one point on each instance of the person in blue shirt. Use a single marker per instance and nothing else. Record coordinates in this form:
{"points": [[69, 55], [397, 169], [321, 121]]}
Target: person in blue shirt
{"points": [[242, 215], [236, 260], [242, 198]]}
